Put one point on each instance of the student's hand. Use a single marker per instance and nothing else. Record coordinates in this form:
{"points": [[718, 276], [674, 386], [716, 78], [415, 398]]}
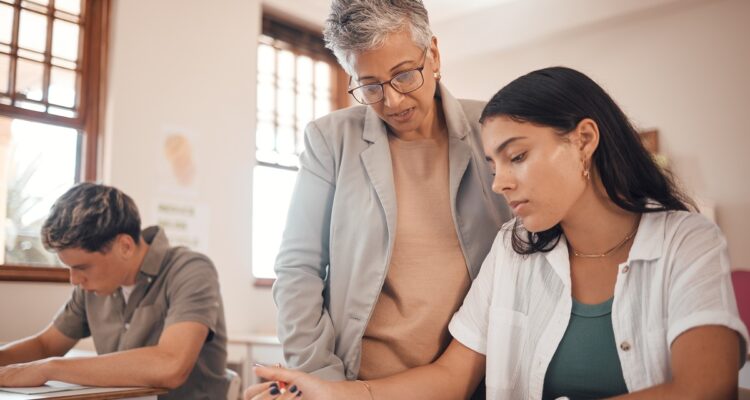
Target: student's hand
{"points": [[23, 375]]}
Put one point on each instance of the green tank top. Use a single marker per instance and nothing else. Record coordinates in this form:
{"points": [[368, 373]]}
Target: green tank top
{"points": [[586, 364]]}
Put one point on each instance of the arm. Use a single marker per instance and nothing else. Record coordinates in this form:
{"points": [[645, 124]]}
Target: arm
{"points": [[705, 333], [454, 375], [168, 364], [48, 343], [304, 326], [704, 366]]}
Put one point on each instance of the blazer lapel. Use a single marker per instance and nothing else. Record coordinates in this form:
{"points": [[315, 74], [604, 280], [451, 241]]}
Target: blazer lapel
{"points": [[377, 162]]}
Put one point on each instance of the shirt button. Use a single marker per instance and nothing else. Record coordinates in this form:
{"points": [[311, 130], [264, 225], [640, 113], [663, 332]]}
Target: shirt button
{"points": [[625, 269], [127, 326], [625, 346]]}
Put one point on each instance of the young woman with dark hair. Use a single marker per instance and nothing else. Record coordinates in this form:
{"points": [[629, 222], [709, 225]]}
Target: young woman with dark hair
{"points": [[605, 284]]}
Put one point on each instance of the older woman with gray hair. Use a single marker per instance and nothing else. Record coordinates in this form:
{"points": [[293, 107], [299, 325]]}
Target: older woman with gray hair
{"points": [[392, 212]]}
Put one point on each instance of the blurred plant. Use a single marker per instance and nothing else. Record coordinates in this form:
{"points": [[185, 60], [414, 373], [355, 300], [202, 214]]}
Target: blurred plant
{"points": [[22, 237]]}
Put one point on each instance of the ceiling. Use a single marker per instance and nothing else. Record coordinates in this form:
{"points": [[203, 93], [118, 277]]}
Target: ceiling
{"points": [[473, 27]]}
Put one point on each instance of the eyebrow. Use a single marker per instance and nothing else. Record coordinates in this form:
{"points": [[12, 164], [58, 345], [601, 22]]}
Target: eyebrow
{"points": [[391, 71], [505, 144]]}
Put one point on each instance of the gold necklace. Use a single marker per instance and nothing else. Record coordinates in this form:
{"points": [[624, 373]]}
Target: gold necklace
{"points": [[608, 252]]}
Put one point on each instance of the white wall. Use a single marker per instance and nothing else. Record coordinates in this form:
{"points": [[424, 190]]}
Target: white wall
{"points": [[190, 65], [187, 65], [682, 69]]}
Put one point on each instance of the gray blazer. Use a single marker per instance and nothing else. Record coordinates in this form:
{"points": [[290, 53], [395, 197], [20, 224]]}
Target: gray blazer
{"points": [[341, 225]]}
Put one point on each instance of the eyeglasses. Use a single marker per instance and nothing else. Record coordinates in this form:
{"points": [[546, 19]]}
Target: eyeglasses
{"points": [[404, 82]]}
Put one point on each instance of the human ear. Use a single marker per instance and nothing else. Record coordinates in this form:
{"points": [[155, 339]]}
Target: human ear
{"points": [[435, 55], [125, 245], [587, 135]]}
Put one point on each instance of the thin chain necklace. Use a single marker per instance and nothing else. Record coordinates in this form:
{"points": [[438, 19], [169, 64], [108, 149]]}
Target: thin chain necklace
{"points": [[610, 251]]}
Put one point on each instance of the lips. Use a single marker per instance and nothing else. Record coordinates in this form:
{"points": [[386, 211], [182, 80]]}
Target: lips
{"points": [[402, 116], [517, 205]]}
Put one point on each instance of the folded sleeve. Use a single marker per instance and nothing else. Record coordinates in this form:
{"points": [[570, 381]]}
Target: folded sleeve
{"points": [[701, 291], [71, 318]]}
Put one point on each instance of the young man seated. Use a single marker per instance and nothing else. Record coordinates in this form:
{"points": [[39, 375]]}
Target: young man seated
{"points": [[154, 311]]}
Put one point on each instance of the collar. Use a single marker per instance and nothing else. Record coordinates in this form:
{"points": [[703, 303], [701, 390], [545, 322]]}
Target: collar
{"points": [[647, 244], [157, 250], [455, 119], [649, 240]]}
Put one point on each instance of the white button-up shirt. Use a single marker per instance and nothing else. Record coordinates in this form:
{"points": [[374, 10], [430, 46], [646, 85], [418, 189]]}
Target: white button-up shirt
{"points": [[677, 277]]}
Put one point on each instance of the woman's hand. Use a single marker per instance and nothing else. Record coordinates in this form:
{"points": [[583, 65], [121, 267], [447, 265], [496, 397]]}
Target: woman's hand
{"points": [[299, 385]]}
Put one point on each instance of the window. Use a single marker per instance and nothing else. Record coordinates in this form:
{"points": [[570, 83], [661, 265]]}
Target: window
{"points": [[298, 80], [52, 64]]}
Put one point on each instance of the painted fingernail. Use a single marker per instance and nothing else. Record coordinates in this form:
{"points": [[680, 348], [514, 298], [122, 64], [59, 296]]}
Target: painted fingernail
{"points": [[274, 391], [299, 394], [275, 384], [293, 389]]}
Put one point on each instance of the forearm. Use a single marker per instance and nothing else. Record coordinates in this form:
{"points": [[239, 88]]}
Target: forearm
{"points": [[23, 350], [673, 391], [147, 366], [433, 381]]}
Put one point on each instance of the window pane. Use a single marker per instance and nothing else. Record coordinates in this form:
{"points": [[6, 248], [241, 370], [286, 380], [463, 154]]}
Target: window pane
{"points": [[6, 23], [304, 71], [62, 88], [70, 6], [285, 140], [286, 66], [41, 166], [65, 40], [322, 76], [32, 55], [272, 191], [266, 59], [4, 73], [264, 137], [29, 79], [43, 2], [32, 33], [266, 94]]}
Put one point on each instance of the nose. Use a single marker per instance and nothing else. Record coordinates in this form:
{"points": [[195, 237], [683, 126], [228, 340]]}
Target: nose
{"points": [[503, 181], [75, 277], [391, 97]]}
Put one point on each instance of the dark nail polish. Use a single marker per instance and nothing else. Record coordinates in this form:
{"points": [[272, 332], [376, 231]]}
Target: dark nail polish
{"points": [[293, 389], [299, 394], [274, 391], [275, 384]]}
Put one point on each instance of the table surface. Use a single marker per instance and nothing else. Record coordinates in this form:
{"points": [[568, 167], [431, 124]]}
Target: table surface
{"points": [[88, 394]]}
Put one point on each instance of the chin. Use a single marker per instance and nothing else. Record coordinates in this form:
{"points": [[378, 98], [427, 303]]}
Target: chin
{"points": [[535, 225]]}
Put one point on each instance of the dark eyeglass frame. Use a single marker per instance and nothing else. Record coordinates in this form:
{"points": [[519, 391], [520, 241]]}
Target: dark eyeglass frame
{"points": [[389, 82]]}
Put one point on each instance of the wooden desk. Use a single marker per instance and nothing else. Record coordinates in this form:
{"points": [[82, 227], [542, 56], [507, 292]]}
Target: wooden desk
{"points": [[90, 394]]}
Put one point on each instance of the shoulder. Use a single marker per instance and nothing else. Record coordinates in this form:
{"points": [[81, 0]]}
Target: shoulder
{"points": [[337, 123], [183, 264], [472, 109], [691, 227]]}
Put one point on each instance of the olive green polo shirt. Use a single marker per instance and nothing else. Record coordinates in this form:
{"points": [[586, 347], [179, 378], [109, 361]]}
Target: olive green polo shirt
{"points": [[174, 285]]}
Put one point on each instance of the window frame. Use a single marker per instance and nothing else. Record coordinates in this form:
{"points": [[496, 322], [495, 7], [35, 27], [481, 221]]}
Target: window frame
{"points": [[96, 15], [287, 35]]}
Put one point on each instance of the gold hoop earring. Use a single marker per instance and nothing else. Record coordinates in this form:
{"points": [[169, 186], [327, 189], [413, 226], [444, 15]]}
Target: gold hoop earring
{"points": [[586, 173]]}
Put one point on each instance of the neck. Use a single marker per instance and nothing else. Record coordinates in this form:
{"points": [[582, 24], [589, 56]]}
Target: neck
{"points": [[597, 224], [135, 266]]}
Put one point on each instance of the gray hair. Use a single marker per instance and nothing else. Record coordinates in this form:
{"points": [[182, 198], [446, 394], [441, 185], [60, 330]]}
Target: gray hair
{"points": [[89, 216], [354, 26]]}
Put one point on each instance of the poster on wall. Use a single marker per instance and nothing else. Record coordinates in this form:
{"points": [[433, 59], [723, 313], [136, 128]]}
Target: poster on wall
{"points": [[185, 223], [177, 209]]}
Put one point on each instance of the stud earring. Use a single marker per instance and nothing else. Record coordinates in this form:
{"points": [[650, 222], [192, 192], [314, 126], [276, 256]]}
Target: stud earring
{"points": [[436, 75]]}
